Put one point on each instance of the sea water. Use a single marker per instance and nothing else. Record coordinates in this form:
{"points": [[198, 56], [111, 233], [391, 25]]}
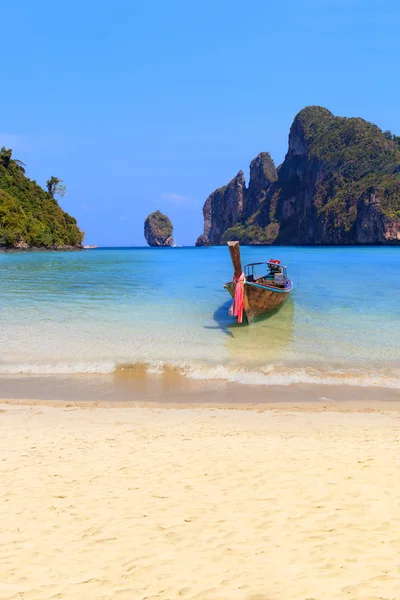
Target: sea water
{"points": [[111, 309]]}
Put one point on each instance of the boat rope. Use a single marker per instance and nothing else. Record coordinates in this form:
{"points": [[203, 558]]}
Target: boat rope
{"points": [[237, 306]]}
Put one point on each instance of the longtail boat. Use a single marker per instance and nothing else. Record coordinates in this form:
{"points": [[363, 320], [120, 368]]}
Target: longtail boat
{"points": [[258, 289]]}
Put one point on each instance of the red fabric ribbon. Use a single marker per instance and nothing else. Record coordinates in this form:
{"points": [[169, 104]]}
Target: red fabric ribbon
{"points": [[237, 306]]}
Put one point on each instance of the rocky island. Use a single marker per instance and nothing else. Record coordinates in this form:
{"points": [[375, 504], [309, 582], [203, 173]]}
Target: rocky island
{"points": [[158, 230], [30, 217], [339, 184]]}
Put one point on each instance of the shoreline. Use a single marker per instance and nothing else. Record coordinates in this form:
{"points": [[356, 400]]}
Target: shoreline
{"points": [[36, 249], [128, 390], [347, 407]]}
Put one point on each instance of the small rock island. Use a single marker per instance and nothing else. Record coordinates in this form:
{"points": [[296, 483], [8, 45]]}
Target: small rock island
{"points": [[158, 230]]}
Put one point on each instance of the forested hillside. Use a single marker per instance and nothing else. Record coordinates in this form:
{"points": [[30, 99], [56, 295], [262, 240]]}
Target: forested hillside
{"points": [[30, 217]]}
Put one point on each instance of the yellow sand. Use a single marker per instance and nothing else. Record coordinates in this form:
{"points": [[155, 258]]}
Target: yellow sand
{"points": [[129, 504]]}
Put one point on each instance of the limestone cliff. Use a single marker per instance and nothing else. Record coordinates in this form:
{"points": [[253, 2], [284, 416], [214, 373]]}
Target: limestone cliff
{"points": [[158, 230], [262, 174], [223, 209], [339, 184]]}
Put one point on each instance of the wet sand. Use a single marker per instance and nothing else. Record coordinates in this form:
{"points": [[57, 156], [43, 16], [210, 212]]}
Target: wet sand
{"points": [[206, 504], [137, 388]]}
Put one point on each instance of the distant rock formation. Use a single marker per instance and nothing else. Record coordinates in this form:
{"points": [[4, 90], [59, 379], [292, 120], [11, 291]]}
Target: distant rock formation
{"points": [[339, 184], [202, 240], [158, 230]]}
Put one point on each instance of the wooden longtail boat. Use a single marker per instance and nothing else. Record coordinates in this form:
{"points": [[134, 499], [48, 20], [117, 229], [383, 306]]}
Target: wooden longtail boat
{"points": [[256, 294]]}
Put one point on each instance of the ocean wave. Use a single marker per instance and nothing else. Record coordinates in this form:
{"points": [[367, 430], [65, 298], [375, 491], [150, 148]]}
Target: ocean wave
{"points": [[59, 368], [270, 375]]}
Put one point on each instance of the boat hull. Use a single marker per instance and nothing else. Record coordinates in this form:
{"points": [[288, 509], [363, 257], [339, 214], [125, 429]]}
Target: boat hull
{"points": [[259, 299]]}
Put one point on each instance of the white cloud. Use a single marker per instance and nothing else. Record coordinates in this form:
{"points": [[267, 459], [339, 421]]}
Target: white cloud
{"points": [[180, 200]]}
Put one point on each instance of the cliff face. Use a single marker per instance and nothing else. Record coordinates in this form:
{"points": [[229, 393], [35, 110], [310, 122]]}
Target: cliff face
{"points": [[262, 174], [374, 223], [339, 184], [223, 209], [158, 230]]}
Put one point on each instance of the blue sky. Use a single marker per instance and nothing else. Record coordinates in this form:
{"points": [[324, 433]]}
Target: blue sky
{"points": [[150, 105]]}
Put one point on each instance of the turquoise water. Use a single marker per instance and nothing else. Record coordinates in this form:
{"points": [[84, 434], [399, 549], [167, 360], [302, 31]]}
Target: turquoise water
{"points": [[107, 309]]}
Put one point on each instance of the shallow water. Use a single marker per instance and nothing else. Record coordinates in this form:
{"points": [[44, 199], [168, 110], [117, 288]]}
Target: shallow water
{"points": [[155, 308]]}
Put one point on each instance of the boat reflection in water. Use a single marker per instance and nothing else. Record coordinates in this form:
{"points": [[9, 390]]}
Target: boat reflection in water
{"points": [[268, 341]]}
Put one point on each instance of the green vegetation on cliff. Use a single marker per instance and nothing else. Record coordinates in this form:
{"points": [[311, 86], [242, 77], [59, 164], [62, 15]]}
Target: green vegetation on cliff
{"points": [[354, 157], [249, 233], [29, 216]]}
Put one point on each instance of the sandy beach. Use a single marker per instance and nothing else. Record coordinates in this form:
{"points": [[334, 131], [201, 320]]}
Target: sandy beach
{"points": [[147, 503]]}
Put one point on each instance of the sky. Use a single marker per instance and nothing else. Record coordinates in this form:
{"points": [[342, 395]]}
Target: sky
{"points": [[153, 104]]}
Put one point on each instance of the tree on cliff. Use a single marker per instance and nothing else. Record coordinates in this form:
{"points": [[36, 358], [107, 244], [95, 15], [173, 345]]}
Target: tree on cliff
{"points": [[391, 136], [5, 159], [56, 186]]}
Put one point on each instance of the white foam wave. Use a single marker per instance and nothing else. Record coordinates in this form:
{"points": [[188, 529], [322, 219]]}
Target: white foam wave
{"points": [[101, 368], [290, 376], [271, 375]]}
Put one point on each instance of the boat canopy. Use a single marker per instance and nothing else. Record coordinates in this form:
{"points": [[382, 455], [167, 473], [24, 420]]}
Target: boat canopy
{"points": [[268, 262], [249, 269]]}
